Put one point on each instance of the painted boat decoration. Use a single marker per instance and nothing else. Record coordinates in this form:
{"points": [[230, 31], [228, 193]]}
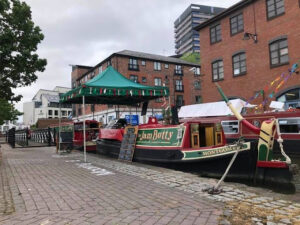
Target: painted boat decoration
{"points": [[289, 125]]}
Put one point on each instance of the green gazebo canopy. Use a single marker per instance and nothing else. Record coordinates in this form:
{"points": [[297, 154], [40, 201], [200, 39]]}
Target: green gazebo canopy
{"points": [[111, 87]]}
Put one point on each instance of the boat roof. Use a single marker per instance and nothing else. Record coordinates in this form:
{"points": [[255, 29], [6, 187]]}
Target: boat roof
{"points": [[211, 109]]}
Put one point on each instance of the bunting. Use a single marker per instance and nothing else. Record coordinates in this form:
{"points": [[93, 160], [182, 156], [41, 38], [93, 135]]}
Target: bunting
{"points": [[276, 83]]}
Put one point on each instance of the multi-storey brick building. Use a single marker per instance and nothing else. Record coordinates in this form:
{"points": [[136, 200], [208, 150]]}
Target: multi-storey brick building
{"points": [[182, 78], [247, 46]]}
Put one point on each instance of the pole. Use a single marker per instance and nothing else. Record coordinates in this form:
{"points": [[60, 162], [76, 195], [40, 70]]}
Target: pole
{"points": [[130, 115], [84, 133], [59, 128]]}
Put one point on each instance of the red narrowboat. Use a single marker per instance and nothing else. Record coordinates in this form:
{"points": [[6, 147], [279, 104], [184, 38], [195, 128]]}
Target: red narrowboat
{"points": [[92, 129]]}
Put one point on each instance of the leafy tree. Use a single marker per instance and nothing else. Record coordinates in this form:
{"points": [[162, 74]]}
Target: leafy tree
{"points": [[7, 111], [19, 38], [193, 57]]}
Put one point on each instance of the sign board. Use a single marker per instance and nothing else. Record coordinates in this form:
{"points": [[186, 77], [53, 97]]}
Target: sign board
{"points": [[166, 137], [128, 143], [132, 119]]}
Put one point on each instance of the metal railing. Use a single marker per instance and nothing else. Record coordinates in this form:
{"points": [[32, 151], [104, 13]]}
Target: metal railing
{"points": [[31, 138]]}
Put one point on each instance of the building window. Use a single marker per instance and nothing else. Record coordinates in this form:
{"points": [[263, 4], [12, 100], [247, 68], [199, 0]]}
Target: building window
{"points": [[108, 63], [239, 64], [93, 74], [179, 85], [290, 98], [134, 78], [100, 69], [79, 111], [236, 24], [144, 79], [178, 70], [215, 34], [197, 71], [157, 66], [143, 62], [197, 85], [275, 8], [179, 100], [50, 112], [218, 70], [56, 112], [167, 65], [63, 113], [133, 64], [198, 99], [157, 81], [158, 100], [279, 52]]}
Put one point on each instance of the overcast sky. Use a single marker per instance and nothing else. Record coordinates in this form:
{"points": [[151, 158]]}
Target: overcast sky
{"points": [[85, 32]]}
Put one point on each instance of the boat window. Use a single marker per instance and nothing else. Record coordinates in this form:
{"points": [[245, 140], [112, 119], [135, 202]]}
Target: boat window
{"points": [[78, 126], [117, 124], [230, 126], [93, 125], [289, 125]]}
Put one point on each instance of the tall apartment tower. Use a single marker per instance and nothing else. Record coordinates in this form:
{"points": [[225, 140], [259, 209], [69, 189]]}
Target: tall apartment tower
{"points": [[187, 39]]}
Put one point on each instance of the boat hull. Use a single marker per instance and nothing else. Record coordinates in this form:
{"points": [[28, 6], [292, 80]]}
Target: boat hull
{"points": [[243, 168], [90, 146], [291, 147]]}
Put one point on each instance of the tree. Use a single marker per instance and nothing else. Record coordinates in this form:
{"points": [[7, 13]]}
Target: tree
{"points": [[7, 111], [193, 57], [19, 38]]}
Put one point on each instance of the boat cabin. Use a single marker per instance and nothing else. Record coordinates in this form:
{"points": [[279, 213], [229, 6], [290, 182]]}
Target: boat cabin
{"points": [[204, 134], [92, 130]]}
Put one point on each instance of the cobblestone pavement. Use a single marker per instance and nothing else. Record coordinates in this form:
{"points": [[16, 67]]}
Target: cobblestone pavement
{"points": [[60, 189], [51, 189]]}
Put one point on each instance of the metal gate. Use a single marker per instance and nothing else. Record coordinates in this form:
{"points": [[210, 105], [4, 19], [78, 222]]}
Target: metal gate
{"points": [[31, 138]]}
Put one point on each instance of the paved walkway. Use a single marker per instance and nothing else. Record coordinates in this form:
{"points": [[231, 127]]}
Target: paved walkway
{"points": [[39, 187]]}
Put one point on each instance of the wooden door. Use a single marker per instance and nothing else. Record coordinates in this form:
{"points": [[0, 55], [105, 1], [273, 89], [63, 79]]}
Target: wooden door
{"points": [[209, 136]]}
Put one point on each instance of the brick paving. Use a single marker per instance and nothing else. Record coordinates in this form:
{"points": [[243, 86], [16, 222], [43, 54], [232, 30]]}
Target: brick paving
{"points": [[39, 187]]}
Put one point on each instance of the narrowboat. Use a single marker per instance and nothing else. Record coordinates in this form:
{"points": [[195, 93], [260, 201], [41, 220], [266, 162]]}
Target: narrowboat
{"points": [[289, 124], [92, 128], [199, 145]]}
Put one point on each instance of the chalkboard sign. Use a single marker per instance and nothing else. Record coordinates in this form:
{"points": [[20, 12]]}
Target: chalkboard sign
{"points": [[128, 143]]}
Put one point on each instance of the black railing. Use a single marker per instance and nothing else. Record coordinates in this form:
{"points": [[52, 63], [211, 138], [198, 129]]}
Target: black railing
{"points": [[32, 138], [133, 67], [11, 137], [178, 72], [21, 137], [179, 88]]}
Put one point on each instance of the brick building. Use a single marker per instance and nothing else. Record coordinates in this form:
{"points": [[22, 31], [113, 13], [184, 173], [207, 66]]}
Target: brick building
{"points": [[247, 46], [182, 78]]}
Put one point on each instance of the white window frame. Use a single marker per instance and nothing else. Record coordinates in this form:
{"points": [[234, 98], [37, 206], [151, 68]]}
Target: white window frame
{"points": [[157, 66], [228, 121]]}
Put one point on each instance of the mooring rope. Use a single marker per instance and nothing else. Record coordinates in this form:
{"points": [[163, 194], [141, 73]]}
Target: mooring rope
{"points": [[280, 140]]}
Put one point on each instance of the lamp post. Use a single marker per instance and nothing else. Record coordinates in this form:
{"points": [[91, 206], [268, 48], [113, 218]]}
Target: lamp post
{"points": [[248, 35]]}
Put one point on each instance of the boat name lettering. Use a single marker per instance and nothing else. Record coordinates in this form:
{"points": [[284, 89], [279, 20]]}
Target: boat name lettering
{"points": [[221, 150], [163, 135]]}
